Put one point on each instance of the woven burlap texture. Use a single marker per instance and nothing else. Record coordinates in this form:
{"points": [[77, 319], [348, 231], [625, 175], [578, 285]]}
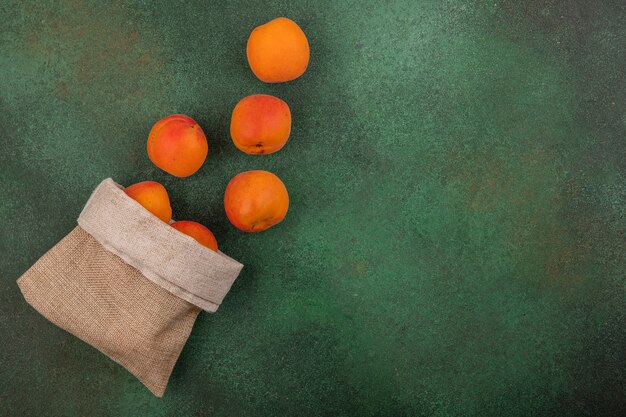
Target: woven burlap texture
{"points": [[84, 287], [169, 258]]}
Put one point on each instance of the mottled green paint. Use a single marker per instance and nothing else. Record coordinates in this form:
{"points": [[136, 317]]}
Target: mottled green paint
{"points": [[455, 242]]}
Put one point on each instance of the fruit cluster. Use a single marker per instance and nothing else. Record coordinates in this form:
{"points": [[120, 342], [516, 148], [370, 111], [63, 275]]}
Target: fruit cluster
{"points": [[277, 51]]}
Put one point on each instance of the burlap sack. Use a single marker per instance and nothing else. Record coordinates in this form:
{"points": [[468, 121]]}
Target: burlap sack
{"points": [[128, 284]]}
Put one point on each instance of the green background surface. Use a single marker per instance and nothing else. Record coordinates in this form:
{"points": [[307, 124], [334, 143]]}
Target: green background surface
{"points": [[455, 240]]}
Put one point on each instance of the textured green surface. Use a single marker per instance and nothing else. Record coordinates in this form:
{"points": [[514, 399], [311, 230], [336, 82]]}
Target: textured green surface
{"points": [[455, 241]]}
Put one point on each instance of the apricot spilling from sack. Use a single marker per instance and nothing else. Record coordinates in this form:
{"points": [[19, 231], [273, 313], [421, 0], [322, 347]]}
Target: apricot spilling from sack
{"points": [[177, 145], [278, 51], [256, 200], [260, 124], [197, 231], [153, 197]]}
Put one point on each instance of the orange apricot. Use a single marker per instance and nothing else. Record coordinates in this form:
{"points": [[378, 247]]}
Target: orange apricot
{"points": [[153, 197], [197, 231], [256, 200], [278, 51], [260, 124], [177, 145]]}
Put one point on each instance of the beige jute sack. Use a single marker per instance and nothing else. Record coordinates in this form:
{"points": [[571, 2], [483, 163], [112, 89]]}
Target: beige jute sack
{"points": [[128, 284]]}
